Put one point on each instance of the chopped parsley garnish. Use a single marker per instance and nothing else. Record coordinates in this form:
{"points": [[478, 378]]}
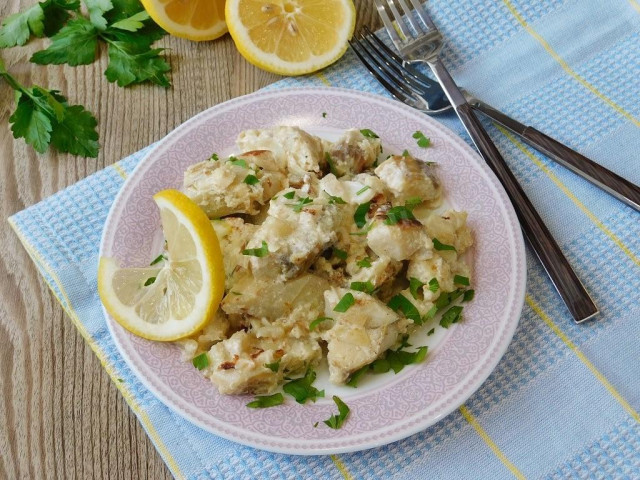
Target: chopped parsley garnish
{"points": [[214, 157], [337, 200], [431, 332], [438, 245], [360, 215], [368, 133], [158, 259], [405, 153], [336, 421], [274, 366], [341, 254], [445, 299], [263, 251], [201, 361], [460, 280], [289, 195], [364, 263], [431, 313], [468, 295], [332, 167], [400, 303], [266, 401], [324, 114], [362, 232], [451, 316], [413, 202], [423, 142], [301, 388], [149, 281], [318, 321], [363, 189], [415, 285], [297, 207], [235, 293], [395, 214], [394, 360], [315, 424], [238, 162], [251, 180], [345, 303], [434, 285], [366, 287]]}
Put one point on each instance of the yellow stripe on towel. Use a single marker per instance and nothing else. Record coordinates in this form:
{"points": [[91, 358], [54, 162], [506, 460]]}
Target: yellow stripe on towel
{"points": [[491, 444], [565, 66], [601, 378], [341, 467]]}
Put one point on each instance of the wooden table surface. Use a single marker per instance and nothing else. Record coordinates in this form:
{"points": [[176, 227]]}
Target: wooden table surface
{"points": [[63, 417]]}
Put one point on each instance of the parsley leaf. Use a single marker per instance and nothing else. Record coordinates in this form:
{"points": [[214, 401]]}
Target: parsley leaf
{"points": [[434, 285], [366, 287], [422, 141], [266, 401], [96, 9], [394, 360], [438, 245], [355, 377], [149, 281], [318, 321], [289, 195], [158, 259], [301, 388], [397, 214], [468, 295], [360, 215], [43, 117], [400, 303], [201, 361], [251, 180], [238, 162], [132, 23], [364, 263], [75, 44], [363, 189], [345, 303], [263, 251], [214, 157], [274, 367], [341, 254], [460, 280], [431, 332], [336, 421], [130, 63], [43, 19], [405, 153], [414, 285], [368, 133], [332, 167], [335, 200], [324, 114], [297, 207], [431, 313], [451, 316]]}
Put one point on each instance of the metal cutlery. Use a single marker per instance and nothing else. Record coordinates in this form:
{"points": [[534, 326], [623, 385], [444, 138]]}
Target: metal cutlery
{"points": [[414, 88], [419, 41]]}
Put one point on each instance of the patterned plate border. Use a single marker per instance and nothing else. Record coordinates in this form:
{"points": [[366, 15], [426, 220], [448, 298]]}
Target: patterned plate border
{"points": [[396, 406]]}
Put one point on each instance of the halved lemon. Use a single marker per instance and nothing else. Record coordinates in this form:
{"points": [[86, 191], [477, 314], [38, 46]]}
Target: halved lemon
{"points": [[177, 296], [192, 19], [291, 37]]}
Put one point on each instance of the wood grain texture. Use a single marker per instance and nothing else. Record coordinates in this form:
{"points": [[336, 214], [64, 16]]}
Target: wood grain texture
{"points": [[62, 416]]}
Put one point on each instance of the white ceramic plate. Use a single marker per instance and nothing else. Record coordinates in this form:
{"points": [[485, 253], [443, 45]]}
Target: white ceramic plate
{"points": [[386, 407]]}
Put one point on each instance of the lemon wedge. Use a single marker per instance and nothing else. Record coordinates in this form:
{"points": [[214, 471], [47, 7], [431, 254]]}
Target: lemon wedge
{"points": [[177, 296], [291, 37], [192, 19]]}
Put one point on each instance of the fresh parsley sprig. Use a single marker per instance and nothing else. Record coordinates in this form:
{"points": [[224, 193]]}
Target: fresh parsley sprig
{"points": [[43, 19], [44, 117]]}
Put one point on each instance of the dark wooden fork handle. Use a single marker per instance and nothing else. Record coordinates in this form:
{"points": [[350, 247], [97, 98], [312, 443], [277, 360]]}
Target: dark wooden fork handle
{"points": [[548, 251], [617, 186]]}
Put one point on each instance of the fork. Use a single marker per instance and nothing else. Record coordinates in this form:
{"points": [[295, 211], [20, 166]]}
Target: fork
{"points": [[417, 90], [419, 41]]}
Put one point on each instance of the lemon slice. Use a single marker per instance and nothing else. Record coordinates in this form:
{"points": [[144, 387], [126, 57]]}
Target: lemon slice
{"points": [[178, 296], [291, 37], [192, 19]]}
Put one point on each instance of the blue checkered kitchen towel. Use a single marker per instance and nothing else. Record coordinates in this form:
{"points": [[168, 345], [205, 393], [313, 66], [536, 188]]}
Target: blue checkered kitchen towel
{"points": [[564, 401]]}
